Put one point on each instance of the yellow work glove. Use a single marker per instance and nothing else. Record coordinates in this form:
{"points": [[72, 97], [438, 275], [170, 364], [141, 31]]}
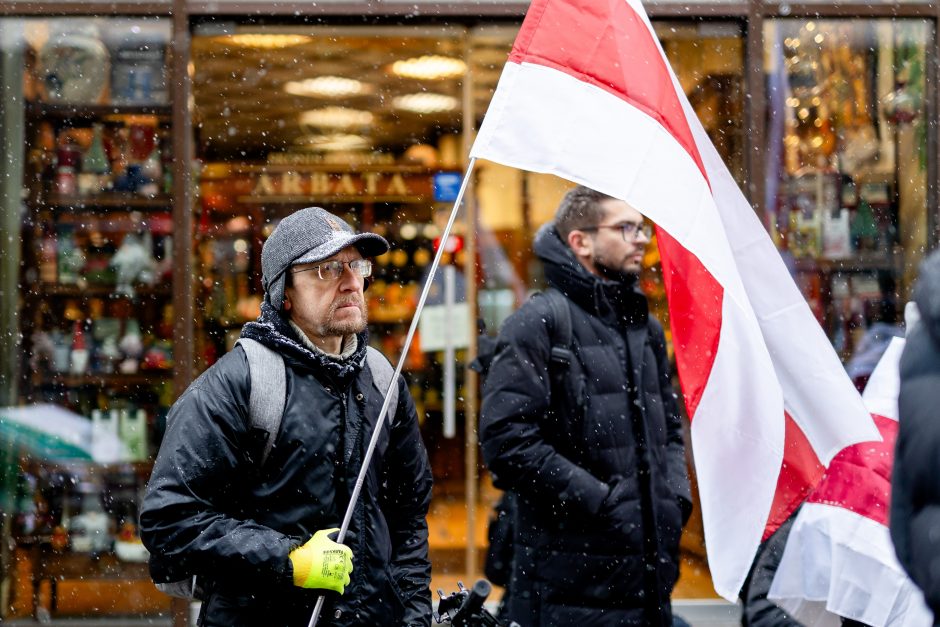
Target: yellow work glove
{"points": [[322, 563]]}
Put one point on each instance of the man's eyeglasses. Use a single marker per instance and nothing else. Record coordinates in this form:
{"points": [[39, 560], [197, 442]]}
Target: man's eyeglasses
{"points": [[629, 230], [332, 270]]}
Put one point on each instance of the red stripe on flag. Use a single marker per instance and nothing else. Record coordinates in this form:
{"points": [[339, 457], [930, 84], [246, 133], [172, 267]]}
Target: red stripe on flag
{"points": [[800, 471], [695, 299], [859, 477], [588, 39]]}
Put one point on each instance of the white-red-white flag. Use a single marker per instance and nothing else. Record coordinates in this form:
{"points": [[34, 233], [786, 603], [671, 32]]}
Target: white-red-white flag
{"points": [[588, 95], [839, 560]]}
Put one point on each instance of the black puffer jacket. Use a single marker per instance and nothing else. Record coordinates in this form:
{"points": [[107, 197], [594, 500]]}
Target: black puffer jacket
{"points": [[557, 449], [915, 489], [212, 510], [758, 610]]}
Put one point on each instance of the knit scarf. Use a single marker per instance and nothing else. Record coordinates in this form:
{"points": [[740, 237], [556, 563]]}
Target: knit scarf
{"points": [[275, 332]]}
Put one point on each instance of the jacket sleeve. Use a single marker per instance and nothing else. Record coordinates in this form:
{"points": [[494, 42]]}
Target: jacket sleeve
{"points": [[677, 467], [915, 497], [758, 610], [405, 502], [516, 396], [189, 517]]}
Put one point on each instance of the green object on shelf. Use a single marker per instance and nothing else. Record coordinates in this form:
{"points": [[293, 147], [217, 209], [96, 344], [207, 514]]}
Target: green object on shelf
{"points": [[95, 161], [864, 229]]}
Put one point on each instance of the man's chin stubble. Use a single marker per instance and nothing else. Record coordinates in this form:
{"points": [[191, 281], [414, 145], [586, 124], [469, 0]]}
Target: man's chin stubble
{"points": [[332, 327]]}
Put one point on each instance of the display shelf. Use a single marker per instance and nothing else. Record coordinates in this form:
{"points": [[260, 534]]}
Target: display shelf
{"points": [[108, 202], [391, 315], [96, 291], [144, 377], [87, 468], [78, 114], [859, 263]]}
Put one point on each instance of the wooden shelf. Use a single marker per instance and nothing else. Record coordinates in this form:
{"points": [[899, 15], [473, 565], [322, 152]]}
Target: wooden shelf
{"points": [[391, 315], [144, 377], [95, 291], [73, 113], [104, 202], [858, 263]]}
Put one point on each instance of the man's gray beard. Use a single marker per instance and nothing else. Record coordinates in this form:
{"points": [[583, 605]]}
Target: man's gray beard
{"points": [[331, 328]]}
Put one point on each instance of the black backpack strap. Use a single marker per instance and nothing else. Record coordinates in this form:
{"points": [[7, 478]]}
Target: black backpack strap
{"points": [[561, 336]]}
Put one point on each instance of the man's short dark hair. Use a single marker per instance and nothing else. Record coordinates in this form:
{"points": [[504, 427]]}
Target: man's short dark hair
{"points": [[580, 208]]}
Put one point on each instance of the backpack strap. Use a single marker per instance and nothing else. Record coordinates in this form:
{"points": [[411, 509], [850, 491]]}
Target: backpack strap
{"points": [[268, 390], [382, 373], [561, 336]]}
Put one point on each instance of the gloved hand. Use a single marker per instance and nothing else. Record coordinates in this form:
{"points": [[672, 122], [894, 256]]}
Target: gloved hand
{"points": [[322, 563]]}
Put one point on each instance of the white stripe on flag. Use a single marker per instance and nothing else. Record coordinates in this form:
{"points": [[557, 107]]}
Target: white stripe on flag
{"points": [[884, 384]]}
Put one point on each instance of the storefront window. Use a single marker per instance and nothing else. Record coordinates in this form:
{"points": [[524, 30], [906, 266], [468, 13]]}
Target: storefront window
{"points": [[847, 168], [85, 121]]}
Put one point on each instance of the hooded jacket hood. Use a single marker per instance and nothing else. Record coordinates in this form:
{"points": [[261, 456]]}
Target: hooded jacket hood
{"points": [[927, 295], [611, 301]]}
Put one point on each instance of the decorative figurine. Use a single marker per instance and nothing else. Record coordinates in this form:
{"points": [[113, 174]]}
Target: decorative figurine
{"points": [[134, 262], [132, 346]]}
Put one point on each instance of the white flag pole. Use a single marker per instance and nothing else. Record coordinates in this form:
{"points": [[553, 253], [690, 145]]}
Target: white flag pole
{"points": [[373, 441]]}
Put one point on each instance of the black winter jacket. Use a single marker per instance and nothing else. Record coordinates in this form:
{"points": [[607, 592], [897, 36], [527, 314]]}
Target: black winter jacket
{"points": [[211, 509], [758, 610], [915, 487], [557, 449]]}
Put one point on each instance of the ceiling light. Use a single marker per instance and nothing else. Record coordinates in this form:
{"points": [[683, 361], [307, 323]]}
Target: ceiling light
{"points": [[336, 117], [266, 41], [326, 87], [430, 67], [425, 103], [334, 141]]}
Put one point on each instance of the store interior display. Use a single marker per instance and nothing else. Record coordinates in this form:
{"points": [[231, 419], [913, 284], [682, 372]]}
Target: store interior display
{"points": [[846, 101], [97, 300]]}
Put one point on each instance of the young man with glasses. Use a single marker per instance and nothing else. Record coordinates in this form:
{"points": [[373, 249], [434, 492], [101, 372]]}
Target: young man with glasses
{"points": [[585, 430], [254, 525]]}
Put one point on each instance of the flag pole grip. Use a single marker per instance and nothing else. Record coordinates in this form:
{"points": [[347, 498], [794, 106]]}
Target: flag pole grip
{"points": [[376, 431]]}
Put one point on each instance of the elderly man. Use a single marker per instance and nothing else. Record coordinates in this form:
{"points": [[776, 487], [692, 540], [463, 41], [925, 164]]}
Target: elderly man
{"points": [[252, 519]]}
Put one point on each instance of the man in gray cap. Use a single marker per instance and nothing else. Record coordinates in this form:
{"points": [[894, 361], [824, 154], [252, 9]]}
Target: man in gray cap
{"points": [[250, 516]]}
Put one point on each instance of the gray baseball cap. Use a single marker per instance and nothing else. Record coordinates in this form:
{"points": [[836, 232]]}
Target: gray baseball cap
{"points": [[306, 236]]}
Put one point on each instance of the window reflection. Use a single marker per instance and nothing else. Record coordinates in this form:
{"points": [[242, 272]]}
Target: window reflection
{"points": [[846, 166]]}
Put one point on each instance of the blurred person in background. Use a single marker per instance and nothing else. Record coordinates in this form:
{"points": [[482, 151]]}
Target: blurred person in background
{"points": [[915, 485]]}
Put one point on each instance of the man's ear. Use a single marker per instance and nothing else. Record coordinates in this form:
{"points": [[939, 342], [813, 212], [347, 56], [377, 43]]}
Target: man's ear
{"points": [[580, 243], [286, 302]]}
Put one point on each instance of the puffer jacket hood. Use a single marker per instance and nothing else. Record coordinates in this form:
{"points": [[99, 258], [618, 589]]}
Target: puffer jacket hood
{"points": [[611, 301], [927, 295]]}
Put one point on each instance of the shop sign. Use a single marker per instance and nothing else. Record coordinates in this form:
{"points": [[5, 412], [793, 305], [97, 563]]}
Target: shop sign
{"points": [[447, 186], [352, 185]]}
